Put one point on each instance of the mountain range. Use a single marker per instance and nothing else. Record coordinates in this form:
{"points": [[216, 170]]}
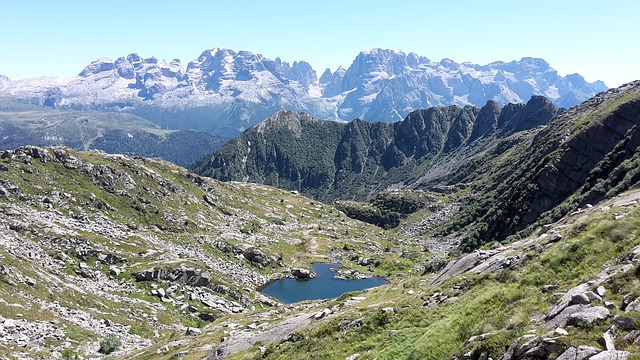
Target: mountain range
{"points": [[555, 157], [225, 92], [330, 160]]}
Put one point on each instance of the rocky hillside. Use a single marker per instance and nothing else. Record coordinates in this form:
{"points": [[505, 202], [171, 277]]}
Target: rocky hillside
{"points": [[225, 92], [22, 124], [329, 160], [99, 248], [584, 155], [569, 291]]}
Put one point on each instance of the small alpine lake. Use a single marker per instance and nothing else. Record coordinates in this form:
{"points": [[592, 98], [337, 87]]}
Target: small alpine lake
{"points": [[323, 286]]}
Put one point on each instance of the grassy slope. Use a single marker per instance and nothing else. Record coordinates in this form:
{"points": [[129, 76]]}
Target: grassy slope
{"points": [[506, 305], [163, 221]]}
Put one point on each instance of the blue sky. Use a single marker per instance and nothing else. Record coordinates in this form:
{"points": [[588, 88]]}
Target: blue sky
{"points": [[61, 37]]}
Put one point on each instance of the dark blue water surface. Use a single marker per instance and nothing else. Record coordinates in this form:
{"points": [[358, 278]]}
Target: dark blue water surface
{"points": [[324, 286]]}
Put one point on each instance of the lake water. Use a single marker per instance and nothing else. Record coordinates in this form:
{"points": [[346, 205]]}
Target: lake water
{"points": [[323, 286]]}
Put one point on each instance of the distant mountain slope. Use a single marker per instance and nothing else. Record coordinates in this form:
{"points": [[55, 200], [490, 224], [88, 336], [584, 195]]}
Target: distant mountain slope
{"points": [[225, 92], [22, 124], [330, 160]]}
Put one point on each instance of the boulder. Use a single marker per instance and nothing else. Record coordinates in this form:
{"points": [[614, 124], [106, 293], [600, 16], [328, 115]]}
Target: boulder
{"points": [[303, 274], [538, 348], [580, 353], [611, 355], [110, 259], [257, 258], [9, 324], [319, 315], [365, 261], [588, 315], [193, 331], [207, 317], [609, 305], [565, 300], [561, 319], [227, 248], [585, 298], [633, 305], [555, 238], [560, 331], [114, 270]]}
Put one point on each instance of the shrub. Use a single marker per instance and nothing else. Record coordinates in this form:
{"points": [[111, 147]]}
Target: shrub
{"points": [[110, 344]]}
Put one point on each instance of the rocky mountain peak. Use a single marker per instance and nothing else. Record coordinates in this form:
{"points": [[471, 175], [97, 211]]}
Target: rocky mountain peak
{"points": [[98, 66], [449, 64], [333, 82], [535, 62], [294, 121], [326, 77], [487, 120], [414, 60], [537, 111], [374, 64], [4, 78]]}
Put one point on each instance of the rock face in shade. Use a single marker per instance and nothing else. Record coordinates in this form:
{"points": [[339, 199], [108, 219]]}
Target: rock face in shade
{"points": [[225, 92]]}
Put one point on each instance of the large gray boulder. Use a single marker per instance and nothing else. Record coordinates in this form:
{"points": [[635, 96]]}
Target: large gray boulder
{"points": [[580, 353], [257, 258], [588, 315], [611, 355], [466, 263], [586, 297], [560, 320], [303, 274], [566, 300]]}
